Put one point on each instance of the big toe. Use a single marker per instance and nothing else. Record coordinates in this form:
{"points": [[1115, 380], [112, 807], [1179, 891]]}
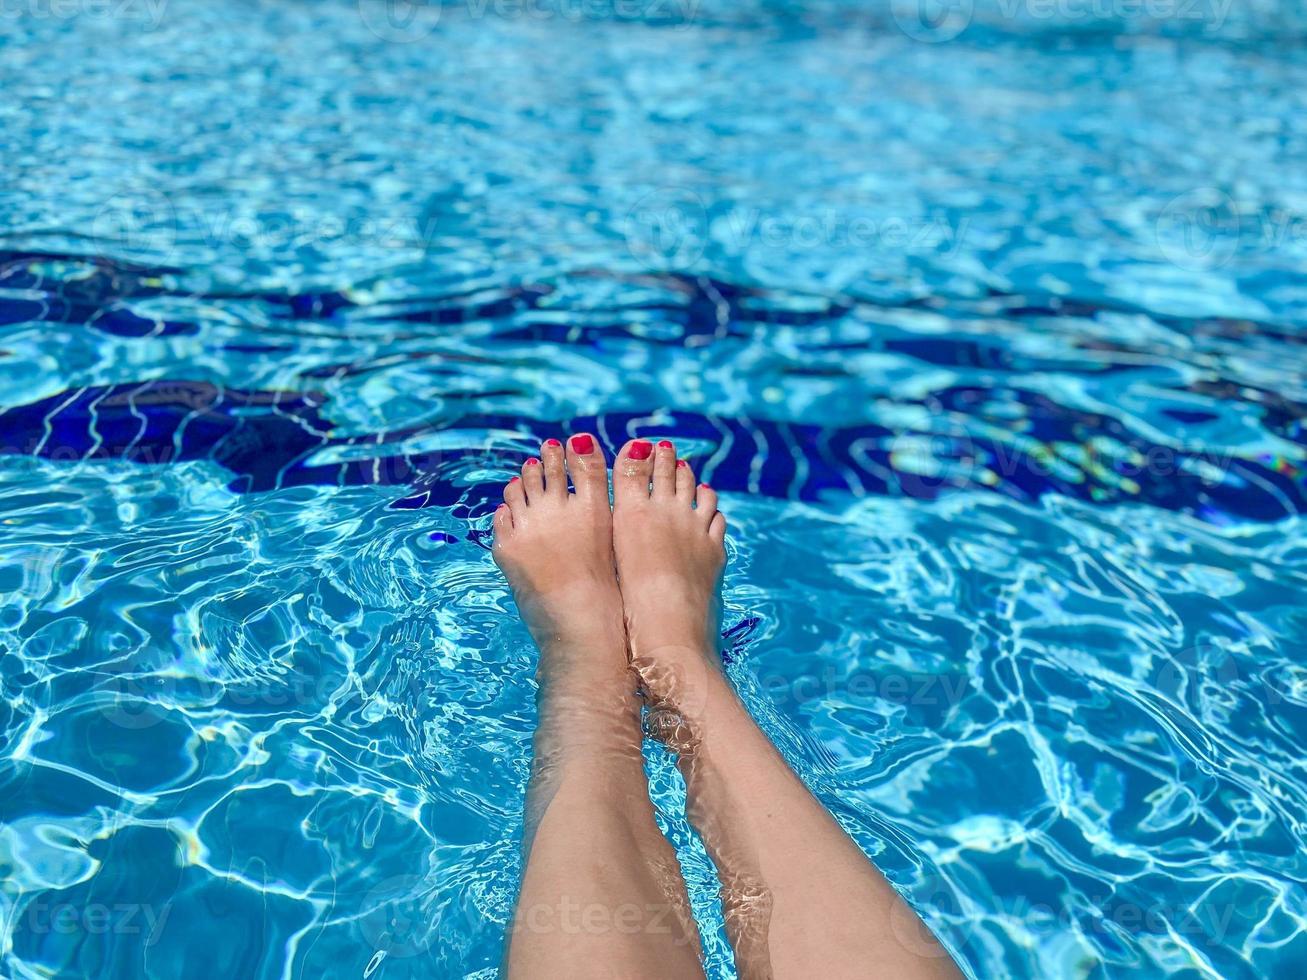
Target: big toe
{"points": [[632, 472], [585, 463], [503, 524]]}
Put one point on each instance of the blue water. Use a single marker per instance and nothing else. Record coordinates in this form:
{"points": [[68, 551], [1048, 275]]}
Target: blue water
{"points": [[989, 324]]}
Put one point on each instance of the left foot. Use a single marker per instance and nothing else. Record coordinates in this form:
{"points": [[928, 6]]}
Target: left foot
{"points": [[556, 548]]}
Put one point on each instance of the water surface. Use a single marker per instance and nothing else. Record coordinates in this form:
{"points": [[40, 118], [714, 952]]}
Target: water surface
{"points": [[990, 330]]}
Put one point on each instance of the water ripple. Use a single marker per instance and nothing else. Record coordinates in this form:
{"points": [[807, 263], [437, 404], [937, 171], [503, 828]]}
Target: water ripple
{"points": [[999, 368]]}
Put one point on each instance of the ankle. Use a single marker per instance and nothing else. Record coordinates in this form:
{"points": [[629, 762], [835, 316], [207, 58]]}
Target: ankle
{"points": [[671, 632], [584, 661], [581, 616], [684, 686]]}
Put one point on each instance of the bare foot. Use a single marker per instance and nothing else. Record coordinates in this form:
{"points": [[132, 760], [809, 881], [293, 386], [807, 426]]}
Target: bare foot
{"points": [[556, 548], [668, 538]]}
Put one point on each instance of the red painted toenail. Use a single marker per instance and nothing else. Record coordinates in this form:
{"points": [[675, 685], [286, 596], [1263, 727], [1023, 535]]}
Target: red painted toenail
{"points": [[533, 462], [640, 449], [552, 443], [515, 479], [682, 463], [583, 445], [704, 486], [664, 444]]}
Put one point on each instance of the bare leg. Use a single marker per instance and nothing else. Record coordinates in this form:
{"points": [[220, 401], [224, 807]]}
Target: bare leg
{"points": [[602, 894], [800, 898]]}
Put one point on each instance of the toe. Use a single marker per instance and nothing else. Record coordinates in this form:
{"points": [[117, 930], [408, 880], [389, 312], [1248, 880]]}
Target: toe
{"points": [[632, 471], [664, 469], [585, 461], [684, 482], [533, 481], [705, 502], [515, 496], [552, 459], [503, 525], [717, 527]]}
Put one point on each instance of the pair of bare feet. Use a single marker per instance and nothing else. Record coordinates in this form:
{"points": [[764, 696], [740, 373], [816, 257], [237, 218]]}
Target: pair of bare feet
{"points": [[604, 589], [652, 562]]}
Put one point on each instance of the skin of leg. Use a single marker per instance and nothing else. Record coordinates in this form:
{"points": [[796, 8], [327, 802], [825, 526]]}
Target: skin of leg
{"points": [[602, 894], [799, 896]]}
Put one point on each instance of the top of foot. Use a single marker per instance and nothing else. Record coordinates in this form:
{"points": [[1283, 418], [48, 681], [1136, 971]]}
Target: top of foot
{"points": [[555, 544], [649, 569], [668, 540]]}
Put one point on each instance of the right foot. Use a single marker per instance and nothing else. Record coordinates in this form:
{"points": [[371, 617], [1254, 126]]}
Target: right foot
{"points": [[668, 539]]}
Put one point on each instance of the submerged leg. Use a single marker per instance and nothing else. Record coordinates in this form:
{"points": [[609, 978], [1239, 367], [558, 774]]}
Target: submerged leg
{"points": [[800, 898]]}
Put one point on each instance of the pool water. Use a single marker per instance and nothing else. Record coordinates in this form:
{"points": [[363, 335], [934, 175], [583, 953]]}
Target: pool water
{"points": [[986, 318]]}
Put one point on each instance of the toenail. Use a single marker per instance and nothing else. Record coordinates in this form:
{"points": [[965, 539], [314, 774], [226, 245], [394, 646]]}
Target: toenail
{"points": [[552, 443], [515, 479], [664, 444], [533, 462], [640, 449], [705, 486], [682, 463], [583, 445]]}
